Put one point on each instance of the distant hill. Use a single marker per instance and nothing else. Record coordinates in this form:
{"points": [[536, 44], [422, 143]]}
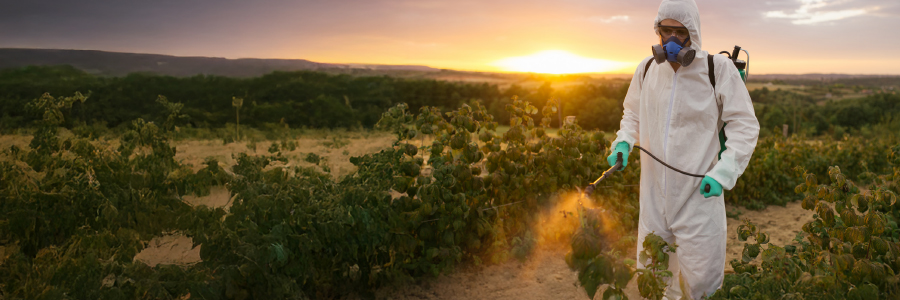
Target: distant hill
{"points": [[106, 63], [816, 76], [120, 64], [882, 81]]}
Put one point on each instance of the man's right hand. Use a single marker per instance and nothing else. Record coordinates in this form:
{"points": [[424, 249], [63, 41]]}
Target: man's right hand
{"points": [[623, 148]]}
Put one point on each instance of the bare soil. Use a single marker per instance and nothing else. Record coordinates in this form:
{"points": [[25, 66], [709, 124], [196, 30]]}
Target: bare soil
{"points": [[170, 250], [336, 149], [781, 223]]}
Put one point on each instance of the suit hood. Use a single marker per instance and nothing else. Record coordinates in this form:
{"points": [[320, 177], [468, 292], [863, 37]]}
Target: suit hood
{"points": [[686, 12]]}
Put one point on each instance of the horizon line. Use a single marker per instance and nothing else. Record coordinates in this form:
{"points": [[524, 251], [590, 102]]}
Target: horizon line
{"points": [[438, 69]]}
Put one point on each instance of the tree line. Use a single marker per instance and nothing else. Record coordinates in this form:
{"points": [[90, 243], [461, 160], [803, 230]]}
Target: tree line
{"points": [[299, 99], [870, 116], [320, 100]]}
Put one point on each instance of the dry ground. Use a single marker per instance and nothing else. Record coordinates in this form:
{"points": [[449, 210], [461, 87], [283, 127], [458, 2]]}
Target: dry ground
{"points": [[335, 146]]}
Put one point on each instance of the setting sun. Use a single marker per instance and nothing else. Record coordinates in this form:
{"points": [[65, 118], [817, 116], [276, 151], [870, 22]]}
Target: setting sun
{"points": [[558, 62]]}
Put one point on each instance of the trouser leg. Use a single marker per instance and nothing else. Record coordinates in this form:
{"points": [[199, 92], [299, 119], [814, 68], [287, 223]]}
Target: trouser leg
{"points": [[674, 265], [698, 263], [673, 289], [702, 265], [701, 248]]}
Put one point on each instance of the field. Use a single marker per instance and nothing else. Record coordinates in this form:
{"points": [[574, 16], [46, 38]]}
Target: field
{"points": [[751, 86], [542, 275], [438, 204], [821, 93]]}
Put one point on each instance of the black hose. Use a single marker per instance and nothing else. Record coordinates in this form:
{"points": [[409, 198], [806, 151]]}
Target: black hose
{"points": [[667, 165], [673, 168], [618, 166]]}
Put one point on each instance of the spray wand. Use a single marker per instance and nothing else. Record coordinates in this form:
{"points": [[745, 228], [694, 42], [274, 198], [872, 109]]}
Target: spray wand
{"points": [[590, 188], [618, 166]]}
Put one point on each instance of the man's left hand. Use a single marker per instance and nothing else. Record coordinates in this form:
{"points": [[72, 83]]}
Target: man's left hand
{"points": [[715, 189]]}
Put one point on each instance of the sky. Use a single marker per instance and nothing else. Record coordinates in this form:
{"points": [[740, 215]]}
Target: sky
{"points": [[782, 36]]}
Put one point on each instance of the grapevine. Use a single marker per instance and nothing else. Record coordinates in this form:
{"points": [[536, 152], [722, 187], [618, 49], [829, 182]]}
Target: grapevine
{"points": [[849, 251], [75, 212]]}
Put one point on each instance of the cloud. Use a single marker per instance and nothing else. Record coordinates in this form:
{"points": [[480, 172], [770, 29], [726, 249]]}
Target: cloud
{"points": [[817, 11], [599, 19]]}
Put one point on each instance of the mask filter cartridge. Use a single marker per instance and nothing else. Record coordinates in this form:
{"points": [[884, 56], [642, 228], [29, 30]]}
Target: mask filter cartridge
{"points": [[673, 50]]}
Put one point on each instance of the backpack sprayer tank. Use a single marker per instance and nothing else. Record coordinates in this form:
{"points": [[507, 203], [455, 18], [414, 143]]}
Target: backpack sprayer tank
{"points": [[742, 66]]}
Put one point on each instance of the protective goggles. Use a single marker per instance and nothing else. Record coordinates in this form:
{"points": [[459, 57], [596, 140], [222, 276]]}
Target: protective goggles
{"points": [[666, 31]]}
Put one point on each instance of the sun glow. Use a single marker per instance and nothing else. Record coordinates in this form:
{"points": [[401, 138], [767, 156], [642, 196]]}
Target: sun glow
{"points": [[558, 62]]}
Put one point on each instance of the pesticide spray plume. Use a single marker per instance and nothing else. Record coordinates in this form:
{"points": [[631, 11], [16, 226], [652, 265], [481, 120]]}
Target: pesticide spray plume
{"points": [[598, 230], [577, 219], [557, 225]]}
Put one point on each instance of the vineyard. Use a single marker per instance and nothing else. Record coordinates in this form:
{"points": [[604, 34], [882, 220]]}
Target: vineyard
{"points": [[74, 214]]}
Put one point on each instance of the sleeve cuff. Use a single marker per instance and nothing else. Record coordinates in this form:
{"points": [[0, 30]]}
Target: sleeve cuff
{"points": [[725, 172], [626, 139]]}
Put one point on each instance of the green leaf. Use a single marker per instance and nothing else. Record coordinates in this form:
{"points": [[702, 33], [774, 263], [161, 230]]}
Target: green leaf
{"points": [[843, 262], [863, 292], [613, 294], [862, 271], [623, 274], [875, 223], [739, 291], [772, 253], [750, 252], [762, 238], [881, 247]]}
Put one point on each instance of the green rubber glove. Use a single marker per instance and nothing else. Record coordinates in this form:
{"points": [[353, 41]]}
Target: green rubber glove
{"points": [[623, 148], [715, 189]]}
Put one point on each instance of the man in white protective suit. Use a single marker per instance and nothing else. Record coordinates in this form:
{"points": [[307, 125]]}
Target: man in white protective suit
{"points": [[675, 113]]}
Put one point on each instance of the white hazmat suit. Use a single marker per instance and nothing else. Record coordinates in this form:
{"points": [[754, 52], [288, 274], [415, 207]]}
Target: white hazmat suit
{"points": [[677, 117]]}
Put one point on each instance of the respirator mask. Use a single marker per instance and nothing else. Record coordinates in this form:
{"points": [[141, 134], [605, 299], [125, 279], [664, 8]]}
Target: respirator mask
{"points": [[673, 49]]}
